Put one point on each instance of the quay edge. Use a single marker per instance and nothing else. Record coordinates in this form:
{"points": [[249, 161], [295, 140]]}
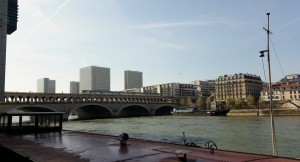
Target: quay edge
{"points": [[263, 112]]}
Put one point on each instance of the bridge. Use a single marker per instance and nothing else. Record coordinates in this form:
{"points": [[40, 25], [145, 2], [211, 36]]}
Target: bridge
{"points": [[90, 106]]}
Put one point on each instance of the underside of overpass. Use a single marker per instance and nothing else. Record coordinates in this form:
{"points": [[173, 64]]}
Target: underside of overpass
{"points": [[134, 111], [164, 110], [93, 112], [33, 109]]}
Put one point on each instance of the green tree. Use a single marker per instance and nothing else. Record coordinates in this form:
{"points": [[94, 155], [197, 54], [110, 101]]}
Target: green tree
{"points": [[238, 102], [208, 102], [260, 100], [228, 101], [182, 101], [188, 101], [250, 100], [219, 102], [199, 102]]}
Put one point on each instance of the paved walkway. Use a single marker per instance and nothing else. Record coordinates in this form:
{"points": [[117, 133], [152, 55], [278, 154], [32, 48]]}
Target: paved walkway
{"points": [[80, 147]]}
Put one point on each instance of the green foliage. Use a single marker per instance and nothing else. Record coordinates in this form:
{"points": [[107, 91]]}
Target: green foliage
{"points": [[219, 102], [208, 102], [228, 101], [260, 100], [238, 102], [199, 102], [188, 101], [250, 100], [182, 101]]}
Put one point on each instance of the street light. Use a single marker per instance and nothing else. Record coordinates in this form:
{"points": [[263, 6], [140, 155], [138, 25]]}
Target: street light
{"points": [[262, 53]]}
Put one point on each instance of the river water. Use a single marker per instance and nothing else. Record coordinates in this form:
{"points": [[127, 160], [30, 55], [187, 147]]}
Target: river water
{"points": [[247, 134]]}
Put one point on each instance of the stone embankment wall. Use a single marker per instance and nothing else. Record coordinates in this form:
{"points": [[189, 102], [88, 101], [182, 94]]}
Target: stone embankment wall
{"points": [[243, 112], [263, 112]]}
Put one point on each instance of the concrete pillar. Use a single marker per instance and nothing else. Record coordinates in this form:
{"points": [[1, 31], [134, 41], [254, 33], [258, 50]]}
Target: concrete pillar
{"points": [[3, 30]]}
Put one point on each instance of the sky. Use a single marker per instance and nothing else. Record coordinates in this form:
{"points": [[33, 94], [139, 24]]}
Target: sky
{"points": [[167, 40]]}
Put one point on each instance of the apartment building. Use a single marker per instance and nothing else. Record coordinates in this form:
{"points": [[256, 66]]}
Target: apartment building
{"points": [[282, 91], [204, 88], [291, 78], [238, 86], [172, 89]]}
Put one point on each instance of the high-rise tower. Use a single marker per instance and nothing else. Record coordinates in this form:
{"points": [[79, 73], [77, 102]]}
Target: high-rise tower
{"points": [[94, 78], [45, 85], [133, 79], [8, 24]]}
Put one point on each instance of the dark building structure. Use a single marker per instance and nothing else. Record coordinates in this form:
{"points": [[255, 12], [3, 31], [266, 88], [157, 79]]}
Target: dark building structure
{"points": [[12, 16]]}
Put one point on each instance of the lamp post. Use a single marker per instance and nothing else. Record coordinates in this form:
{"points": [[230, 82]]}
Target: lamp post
{"points": [[274, 146]]}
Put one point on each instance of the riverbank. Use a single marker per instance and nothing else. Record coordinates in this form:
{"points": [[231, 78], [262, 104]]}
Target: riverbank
{"points": [[78, 146], [263, 112]]}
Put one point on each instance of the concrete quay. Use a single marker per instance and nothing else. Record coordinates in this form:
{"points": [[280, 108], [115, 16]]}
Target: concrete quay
{"points": [[73, 146], [263, 112]]}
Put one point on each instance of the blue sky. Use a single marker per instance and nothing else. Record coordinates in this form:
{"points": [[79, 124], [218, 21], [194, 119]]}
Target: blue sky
{"points": [[168, 40]]}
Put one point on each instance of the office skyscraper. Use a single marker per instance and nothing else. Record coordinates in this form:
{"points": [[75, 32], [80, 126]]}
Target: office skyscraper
{"points": [[74, 87], [94, 78], [8, 24], [133, 79], [45, 85]]}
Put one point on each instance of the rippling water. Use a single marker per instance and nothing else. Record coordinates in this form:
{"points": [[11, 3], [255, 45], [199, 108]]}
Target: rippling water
{"points": [[246, 134]]}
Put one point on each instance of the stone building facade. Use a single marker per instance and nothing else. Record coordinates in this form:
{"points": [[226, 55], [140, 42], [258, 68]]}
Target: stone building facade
{"points": [[238, 86], [281, 92]]}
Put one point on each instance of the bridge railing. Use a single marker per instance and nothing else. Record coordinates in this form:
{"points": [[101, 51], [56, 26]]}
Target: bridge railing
{"points": [[15, 97]]}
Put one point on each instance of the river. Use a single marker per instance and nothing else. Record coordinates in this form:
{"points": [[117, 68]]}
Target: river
{"points": [[247, 133]]}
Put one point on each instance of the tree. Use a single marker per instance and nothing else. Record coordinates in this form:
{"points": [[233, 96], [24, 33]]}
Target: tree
{"points": [[188, 101], [199, 102], [250, 100], [219, 102], [260, 100], [228, 101], [208, 102], [238, 102], [182, 101]]}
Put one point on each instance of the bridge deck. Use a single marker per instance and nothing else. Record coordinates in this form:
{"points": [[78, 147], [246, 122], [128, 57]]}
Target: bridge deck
{"points": [[78, 146]]}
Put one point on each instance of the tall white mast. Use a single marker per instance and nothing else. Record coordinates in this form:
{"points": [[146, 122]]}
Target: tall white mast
{"points": [[274, 146]]}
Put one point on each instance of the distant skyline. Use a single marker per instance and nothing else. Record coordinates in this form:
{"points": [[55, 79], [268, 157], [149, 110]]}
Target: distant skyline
{"points": [[169, 40]]}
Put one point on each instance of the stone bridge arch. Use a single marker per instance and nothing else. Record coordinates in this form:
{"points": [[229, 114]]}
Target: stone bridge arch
{"points": [[164, 110], [133, 110], [92, 111]]}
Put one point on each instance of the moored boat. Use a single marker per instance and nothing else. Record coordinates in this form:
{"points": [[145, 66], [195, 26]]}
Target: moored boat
{"points": [[194, 111]]}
